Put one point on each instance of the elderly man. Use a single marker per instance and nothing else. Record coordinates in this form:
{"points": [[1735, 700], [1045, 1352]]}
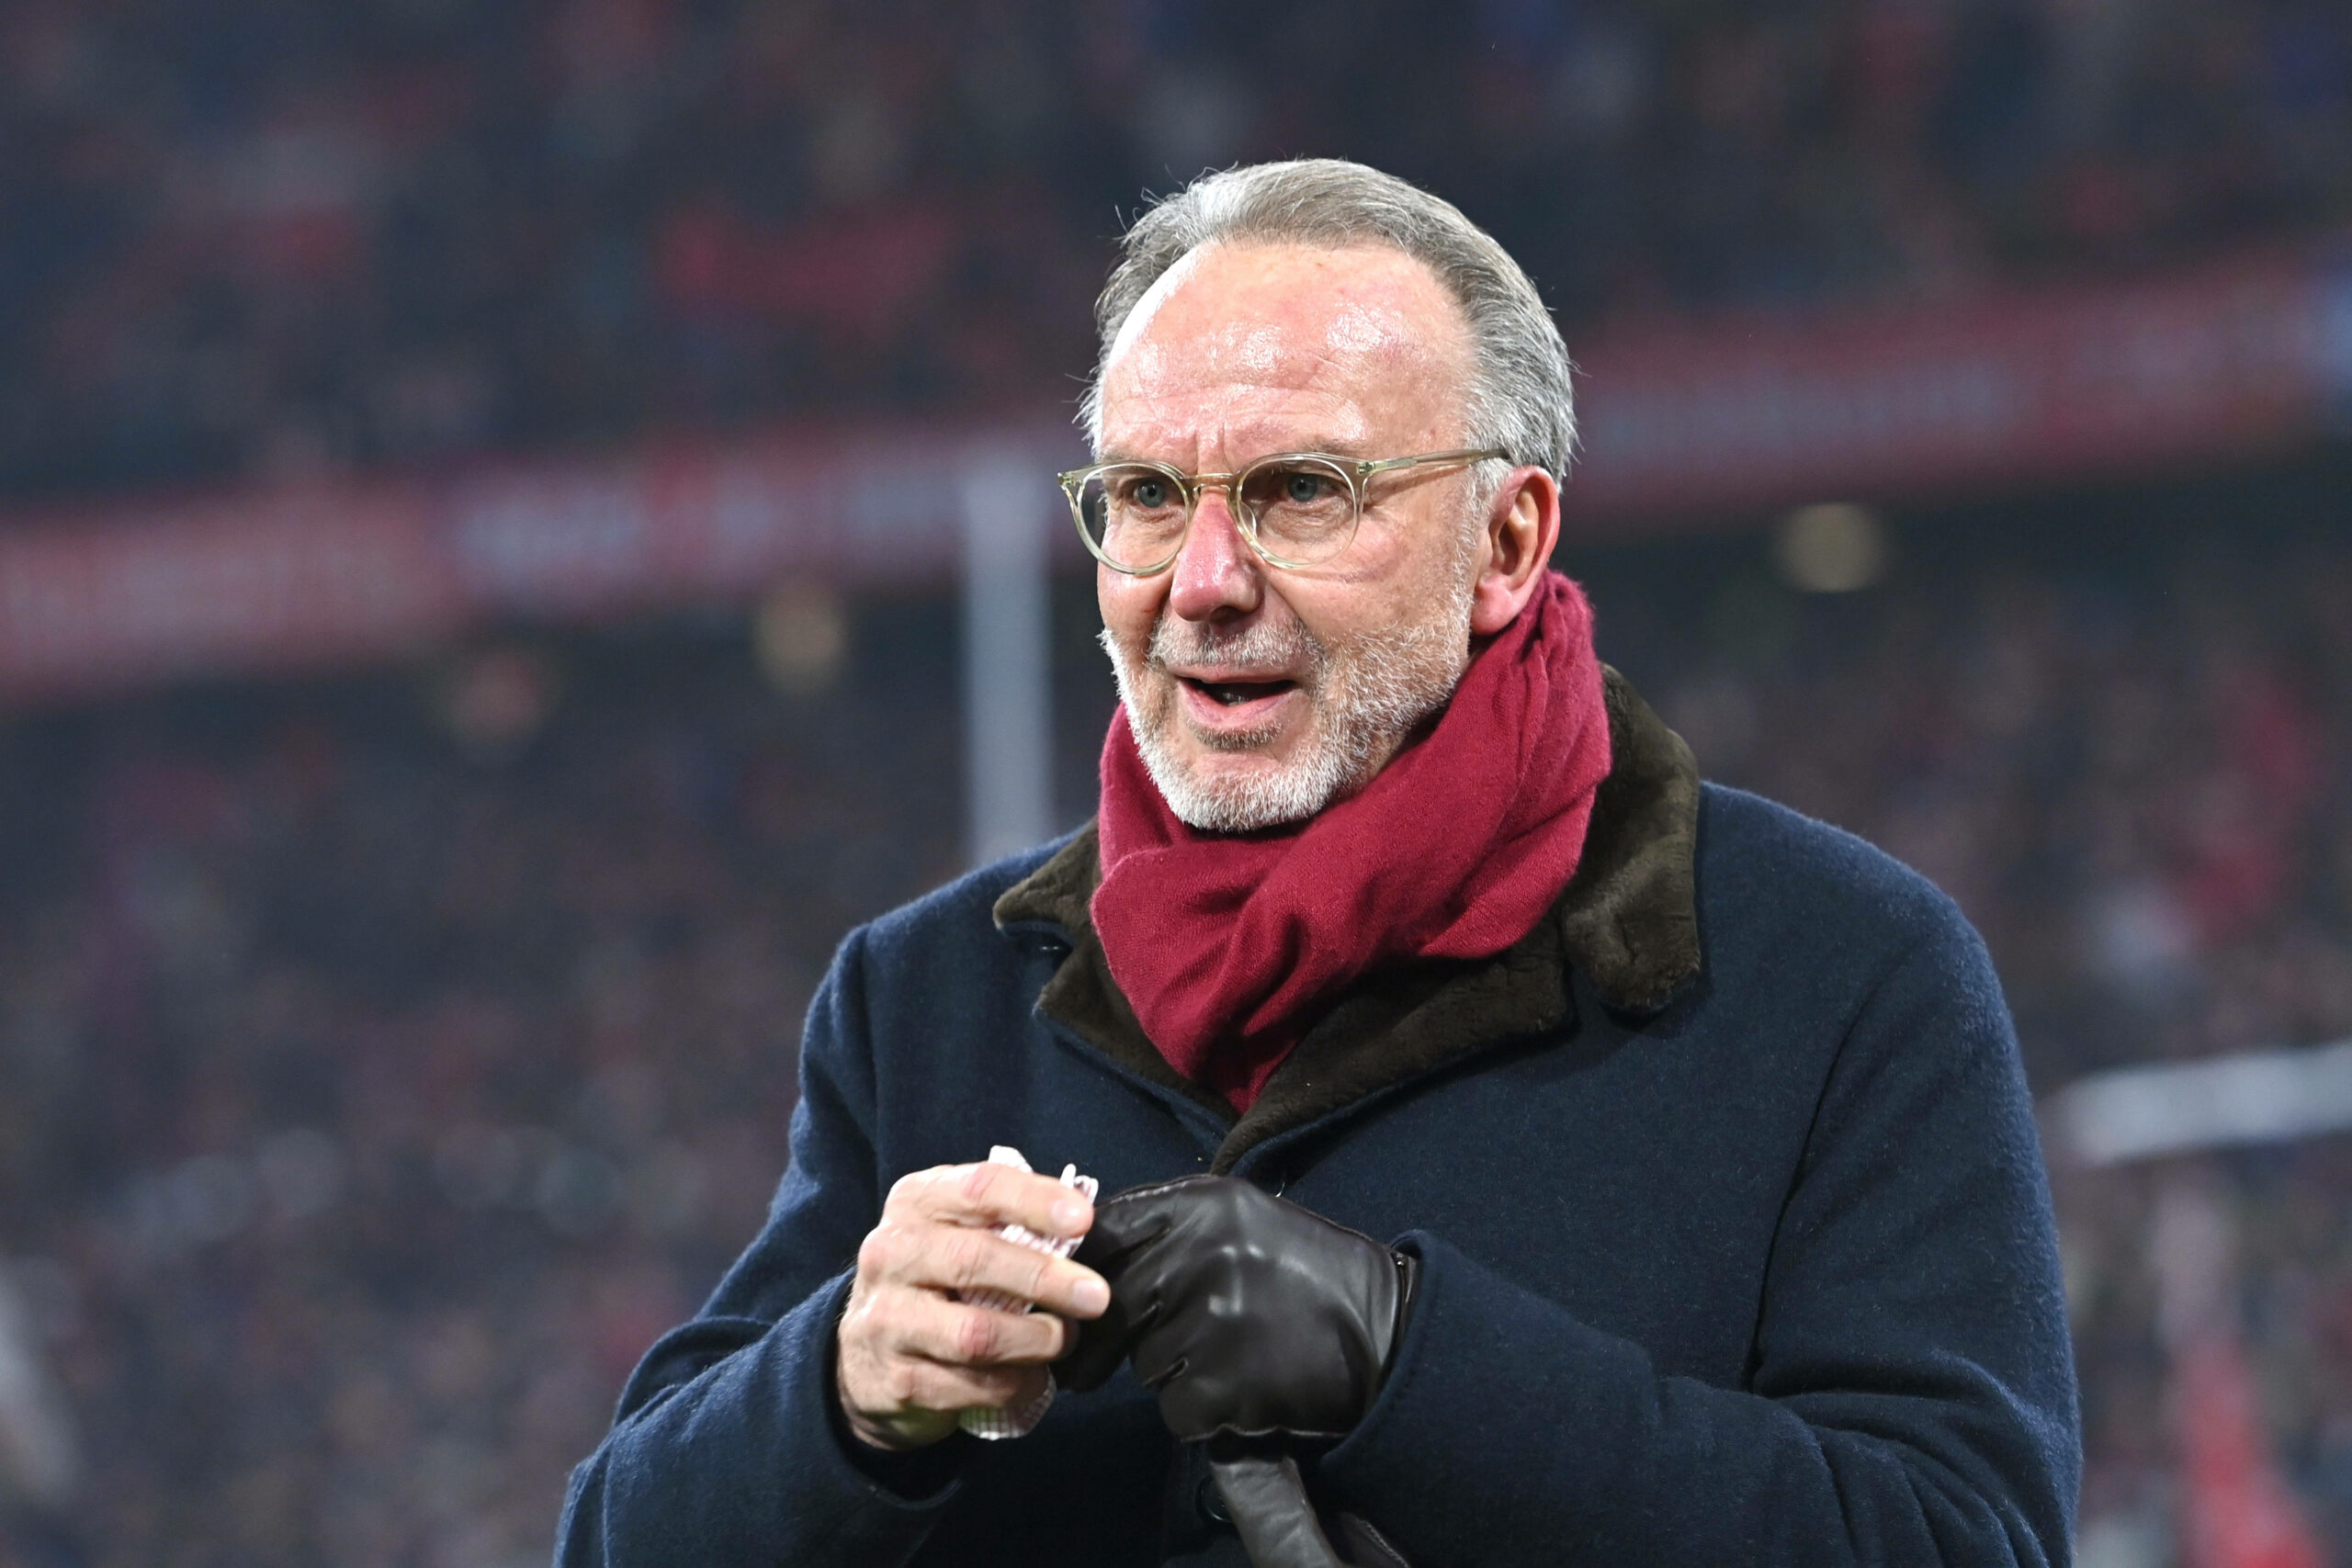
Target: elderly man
{"points": [[1533, 1154]]}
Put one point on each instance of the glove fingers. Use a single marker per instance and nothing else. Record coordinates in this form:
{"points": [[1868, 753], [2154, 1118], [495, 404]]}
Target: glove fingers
{"points": [[1102, 1344], [1128, 1221], [1116, 1235], [1118, 1247], [1130, 1246]]}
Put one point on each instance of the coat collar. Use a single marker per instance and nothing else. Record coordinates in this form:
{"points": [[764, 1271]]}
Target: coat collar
{"points": [[1627, 921]]}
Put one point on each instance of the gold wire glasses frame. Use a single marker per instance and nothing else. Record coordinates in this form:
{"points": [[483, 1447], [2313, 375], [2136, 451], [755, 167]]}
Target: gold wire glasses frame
{"points": [[1297, 509]]}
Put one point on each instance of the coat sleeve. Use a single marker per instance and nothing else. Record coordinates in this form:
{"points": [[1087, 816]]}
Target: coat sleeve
{"points": [[1910, 1399], [727, 1446]]}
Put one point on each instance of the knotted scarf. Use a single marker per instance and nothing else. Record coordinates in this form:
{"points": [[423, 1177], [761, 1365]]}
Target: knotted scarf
{"points": [[1230, 946]]}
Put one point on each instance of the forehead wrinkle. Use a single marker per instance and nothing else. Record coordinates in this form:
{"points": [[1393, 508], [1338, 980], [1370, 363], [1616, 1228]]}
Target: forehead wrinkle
{"points": [[1236, 425]]}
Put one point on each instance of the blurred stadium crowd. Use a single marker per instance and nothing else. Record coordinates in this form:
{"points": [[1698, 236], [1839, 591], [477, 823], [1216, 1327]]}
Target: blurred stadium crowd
{"points": [[258, 237], [387, 1062], [376, 1090]]}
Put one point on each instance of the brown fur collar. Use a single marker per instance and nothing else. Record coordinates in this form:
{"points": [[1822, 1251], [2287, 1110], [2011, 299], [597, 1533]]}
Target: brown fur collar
{"points": [[1627, 919]]}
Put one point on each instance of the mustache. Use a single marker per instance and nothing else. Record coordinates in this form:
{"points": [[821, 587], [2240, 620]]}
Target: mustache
{"points": [[1269, 645]]}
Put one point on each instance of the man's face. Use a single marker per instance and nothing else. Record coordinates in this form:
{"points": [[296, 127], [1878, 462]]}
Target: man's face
{"points": [[1259, 694]]}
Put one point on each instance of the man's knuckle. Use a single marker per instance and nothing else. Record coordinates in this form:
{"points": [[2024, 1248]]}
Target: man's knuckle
{"points": [[974, 1183], [976, 1336]]}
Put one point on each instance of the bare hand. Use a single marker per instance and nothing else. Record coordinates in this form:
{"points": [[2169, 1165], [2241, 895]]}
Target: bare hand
{"points": [[912, 1356]]}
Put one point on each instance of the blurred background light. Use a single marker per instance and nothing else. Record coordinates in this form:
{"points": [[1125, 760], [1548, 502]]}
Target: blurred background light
{"points": [[801, 633], [1833, 547]]}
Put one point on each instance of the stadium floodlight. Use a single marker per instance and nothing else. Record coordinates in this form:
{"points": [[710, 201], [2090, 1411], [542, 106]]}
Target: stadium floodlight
{"points": [[2259, 1097]]}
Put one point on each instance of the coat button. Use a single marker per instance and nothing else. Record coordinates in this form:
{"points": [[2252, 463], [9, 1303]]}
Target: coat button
{"points": [[1212, 1502]]}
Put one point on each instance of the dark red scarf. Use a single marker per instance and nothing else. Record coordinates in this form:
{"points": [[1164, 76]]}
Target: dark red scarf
{"points": [[1230, 946]]}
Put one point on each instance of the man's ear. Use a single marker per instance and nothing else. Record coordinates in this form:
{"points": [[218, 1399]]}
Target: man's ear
{"points": [[1523, 528]]}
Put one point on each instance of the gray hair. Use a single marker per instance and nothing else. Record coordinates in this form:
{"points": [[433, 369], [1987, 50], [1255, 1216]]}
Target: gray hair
{"points": [[1520, 399]]}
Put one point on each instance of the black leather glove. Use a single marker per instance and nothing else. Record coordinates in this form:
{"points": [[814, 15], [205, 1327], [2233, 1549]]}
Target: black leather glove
{"points": [[1248, 1316]]}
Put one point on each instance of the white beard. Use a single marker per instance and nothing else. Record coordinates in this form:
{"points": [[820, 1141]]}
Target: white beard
{"points": [[1365, 696]]}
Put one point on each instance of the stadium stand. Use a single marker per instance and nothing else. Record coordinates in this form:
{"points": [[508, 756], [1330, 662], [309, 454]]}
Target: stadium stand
{"points": [[285, 238], [385, 1057]]}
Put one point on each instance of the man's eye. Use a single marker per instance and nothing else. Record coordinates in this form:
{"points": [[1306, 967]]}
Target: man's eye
{"points": [[1150, 492], [1305, 488]]}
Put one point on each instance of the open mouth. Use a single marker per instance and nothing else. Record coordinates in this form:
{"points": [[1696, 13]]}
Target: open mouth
{"points": [[1233, 694]]}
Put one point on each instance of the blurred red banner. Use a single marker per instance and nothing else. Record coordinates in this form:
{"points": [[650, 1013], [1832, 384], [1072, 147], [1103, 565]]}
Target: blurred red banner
{"points": [[1685, 425], [132, 594], [2091, 382]]}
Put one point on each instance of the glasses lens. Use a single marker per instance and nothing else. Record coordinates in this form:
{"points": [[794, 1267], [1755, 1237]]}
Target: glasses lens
{"points": [[1133, 514], [1303, 508]]}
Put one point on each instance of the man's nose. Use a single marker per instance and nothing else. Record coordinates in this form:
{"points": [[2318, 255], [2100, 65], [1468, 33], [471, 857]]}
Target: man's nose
{"points": [[1216, 573]]}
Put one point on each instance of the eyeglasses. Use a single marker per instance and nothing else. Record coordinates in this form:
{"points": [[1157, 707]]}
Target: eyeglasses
{"points": [[1297, 509]]}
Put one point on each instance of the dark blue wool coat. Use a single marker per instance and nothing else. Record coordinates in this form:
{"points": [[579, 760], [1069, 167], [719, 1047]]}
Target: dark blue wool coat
{"points": [[1758, 1268]]}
